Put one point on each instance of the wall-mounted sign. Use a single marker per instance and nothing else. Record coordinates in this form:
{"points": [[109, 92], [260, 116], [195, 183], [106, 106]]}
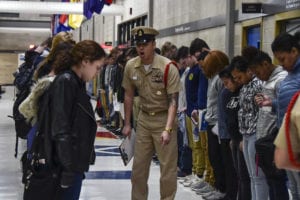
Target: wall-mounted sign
{"points": [[292, 4], [108, 43], [251, 7]]}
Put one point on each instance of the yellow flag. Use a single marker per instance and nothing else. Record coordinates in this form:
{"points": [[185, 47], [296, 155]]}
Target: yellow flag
{"points": [[75, 20]]}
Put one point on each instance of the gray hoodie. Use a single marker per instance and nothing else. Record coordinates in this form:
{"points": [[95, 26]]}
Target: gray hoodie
{"points": [[215, 86], [267, 118]]}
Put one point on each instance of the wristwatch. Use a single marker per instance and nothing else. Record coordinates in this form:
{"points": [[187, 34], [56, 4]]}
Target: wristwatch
{"points": [[169, 130]]}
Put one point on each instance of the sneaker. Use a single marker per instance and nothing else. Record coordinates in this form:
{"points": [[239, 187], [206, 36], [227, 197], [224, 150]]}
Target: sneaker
{"points": [[208, 194], [216, 195], [206, 189], [198, 185], [185, 179], [181, 174], [189, 182]]}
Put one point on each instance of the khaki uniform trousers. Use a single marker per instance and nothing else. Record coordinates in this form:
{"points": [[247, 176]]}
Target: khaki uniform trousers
{"points": [[135, 110], [148, 141], [199, 153]]}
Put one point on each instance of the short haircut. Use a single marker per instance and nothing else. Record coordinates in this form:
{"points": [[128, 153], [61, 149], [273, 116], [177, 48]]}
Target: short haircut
{"points": [[249, 52], [226, 73], [240, 63], [285, 42], [157, 50], [259, 58], [182, 52], [202, 55], [197, 45]]}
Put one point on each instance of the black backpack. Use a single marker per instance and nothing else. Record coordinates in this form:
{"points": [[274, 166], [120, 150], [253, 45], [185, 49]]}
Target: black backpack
{"points": [[23, 77], [22, 127], [23, 81]]}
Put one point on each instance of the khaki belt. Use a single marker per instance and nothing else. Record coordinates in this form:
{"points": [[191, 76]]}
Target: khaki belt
{"points": [[154, 113]]}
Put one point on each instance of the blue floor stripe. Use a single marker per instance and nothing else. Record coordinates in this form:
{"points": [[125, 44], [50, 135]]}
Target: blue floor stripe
{"points": [[108, 175], [105, 150]]}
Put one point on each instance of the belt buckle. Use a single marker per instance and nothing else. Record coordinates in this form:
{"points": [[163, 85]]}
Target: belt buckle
{"points": [[152, 113]]}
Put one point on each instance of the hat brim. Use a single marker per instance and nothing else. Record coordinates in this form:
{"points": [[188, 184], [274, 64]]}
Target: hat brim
{"points": [[136, 42], [144, 39]]}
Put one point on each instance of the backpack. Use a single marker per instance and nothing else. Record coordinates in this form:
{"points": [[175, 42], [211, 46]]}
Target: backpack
{"points": [[23, 81], [22, 127], [23, 76]]}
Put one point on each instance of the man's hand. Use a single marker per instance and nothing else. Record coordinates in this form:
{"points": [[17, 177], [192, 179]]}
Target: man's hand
{"points": [[262, 100], [165, 138], [126, 130]]}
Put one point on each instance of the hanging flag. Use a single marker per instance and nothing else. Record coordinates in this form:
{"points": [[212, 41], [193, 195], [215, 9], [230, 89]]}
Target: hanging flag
{"points": [[63, 19], [91, 6], [74, 20], [108, 2]]}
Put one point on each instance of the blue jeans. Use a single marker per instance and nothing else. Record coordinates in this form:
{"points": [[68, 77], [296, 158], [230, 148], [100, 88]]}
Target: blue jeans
{"points": [[259, 186], [294, 184], [73, 192], [184, 151]]}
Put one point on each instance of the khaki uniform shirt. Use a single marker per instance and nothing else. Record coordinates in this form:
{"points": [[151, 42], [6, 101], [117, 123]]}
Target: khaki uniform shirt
{"points": [[280, 140], [150, 84]]}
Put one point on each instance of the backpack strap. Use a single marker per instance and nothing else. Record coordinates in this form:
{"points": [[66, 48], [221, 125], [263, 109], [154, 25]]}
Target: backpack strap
{"points": [[167, 72], [287, 129]]}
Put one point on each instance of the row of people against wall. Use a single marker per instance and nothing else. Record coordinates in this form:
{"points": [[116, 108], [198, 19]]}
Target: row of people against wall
{"points": [[226, 110]]}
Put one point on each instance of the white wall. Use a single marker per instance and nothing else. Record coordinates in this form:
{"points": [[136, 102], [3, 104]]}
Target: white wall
{"points": [[139, 7]]}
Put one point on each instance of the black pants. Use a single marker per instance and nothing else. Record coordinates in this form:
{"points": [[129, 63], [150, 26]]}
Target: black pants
{"points": [[231, 180], [278, 189], [216, 160], [244, 186]]}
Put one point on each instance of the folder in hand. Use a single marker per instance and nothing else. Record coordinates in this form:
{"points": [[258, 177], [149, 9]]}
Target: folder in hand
{"points": [[127, 148]]}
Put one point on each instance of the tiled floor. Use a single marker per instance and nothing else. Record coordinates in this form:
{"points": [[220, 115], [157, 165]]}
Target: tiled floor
{"points": [[108, 179]]}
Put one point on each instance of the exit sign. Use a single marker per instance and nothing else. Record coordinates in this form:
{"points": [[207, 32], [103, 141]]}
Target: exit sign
{"points": [[251, 7]]}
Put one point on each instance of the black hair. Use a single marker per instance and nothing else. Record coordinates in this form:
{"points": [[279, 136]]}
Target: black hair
{"points": [[285, 42], [202, 55], [226, 73], [249, 52], [182, 52], [260, 57], [131, 52], [240, 63], [157, 50], [121, 59], [197, 45]]}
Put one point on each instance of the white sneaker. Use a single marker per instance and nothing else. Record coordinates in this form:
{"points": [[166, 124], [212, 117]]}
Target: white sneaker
{"points": [[206, 189], [208, 194], [198, 185], [190, 181], [185, 178], [215, 196]]}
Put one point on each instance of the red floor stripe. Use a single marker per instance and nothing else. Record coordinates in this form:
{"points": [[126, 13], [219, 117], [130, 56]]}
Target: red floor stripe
{"points": [[106, 135]]}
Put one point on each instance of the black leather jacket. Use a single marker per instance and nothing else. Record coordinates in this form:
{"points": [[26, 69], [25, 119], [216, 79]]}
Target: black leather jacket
{"points": [[73, 125]]}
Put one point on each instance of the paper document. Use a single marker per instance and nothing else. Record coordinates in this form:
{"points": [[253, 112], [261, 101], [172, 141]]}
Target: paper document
{"points": [[202, 123], [127, 148], [215, 129]]}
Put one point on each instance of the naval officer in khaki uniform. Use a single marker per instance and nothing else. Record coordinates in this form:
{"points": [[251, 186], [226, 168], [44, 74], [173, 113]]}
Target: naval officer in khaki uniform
{"points": [[157, 123]]}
